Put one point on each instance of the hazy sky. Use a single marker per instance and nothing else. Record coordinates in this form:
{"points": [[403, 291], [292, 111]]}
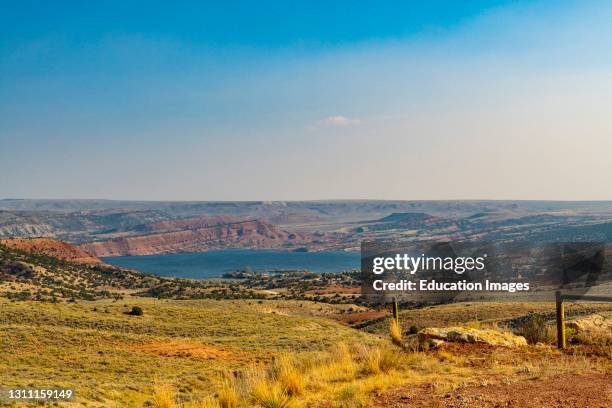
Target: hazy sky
{"points": [[274, 101]]}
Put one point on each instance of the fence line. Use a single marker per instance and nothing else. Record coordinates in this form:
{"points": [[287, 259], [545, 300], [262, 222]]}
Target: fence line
{"points": [[560, 306]]}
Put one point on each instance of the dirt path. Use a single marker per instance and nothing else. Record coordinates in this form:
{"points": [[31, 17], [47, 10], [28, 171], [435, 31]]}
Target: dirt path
{"points": [[567, 391]]}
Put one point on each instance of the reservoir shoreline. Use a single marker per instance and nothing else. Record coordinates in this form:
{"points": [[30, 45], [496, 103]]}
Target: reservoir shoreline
{"points": [[214, 263]]}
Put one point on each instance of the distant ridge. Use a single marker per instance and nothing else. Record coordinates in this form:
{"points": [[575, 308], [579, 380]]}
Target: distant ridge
{"points": [[107, 227], [408, 218], [200, 234]]}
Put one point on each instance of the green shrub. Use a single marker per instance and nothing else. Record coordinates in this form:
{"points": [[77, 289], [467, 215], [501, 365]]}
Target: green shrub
{"points": [[535, 330], [136, 311]]}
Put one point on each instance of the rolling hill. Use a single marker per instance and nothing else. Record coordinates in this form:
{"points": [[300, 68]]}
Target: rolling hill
{"points": [[44, 269]]}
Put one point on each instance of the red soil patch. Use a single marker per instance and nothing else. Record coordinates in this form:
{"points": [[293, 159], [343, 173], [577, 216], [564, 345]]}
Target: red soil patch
{"points": [[593, 390]]}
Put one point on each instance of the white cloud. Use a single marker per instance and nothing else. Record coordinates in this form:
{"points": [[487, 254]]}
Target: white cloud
{"points": [[339, 121]]}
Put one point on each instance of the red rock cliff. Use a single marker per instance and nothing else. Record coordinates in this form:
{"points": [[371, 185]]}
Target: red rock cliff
{"points": [[198, 235]]}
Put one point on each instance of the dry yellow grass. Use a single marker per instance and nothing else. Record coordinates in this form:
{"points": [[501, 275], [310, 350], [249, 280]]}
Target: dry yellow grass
{"points": [[351, 396], [269, 394], [207, 403], [336, 366], [396, 332], [287, 375], [350, 375], [345, 376], [379, 360], [227, 395], [164, 396]]}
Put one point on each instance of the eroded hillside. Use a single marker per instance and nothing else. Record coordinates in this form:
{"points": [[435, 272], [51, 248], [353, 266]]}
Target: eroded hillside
{"points": [[199, 234], [31, 270]]}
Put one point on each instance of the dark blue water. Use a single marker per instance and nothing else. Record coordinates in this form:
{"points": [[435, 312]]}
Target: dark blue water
{"points": [[214, 263]]}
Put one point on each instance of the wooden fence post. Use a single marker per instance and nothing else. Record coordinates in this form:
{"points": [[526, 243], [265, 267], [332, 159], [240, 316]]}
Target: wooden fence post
{"points": [[560, 321]]}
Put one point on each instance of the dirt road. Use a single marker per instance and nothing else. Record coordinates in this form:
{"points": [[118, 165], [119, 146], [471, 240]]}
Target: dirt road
{"points": [[567, 391]]}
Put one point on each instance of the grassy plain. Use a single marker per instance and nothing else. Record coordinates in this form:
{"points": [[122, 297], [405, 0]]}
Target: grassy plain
{"points": [[252, 352], [111, 357]]}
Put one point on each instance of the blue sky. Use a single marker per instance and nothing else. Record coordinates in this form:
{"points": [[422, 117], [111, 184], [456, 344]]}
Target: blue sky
{"points": [[316, 100]]}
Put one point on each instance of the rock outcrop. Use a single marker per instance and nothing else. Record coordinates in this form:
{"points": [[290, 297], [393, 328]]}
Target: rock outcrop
{"points": [[594, 324], [466, 335]]}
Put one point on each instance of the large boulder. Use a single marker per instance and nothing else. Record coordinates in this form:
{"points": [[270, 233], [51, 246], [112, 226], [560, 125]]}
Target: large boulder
{"points": [[594, 324], [466, 335]]}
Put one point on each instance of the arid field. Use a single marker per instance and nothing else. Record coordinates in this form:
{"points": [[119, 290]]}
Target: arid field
{"points": [[266, 353]]}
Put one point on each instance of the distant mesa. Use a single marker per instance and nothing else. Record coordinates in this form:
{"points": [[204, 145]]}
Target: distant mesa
{"points": [[294, 218], [410, 218], [190, 223], [406, 220]]}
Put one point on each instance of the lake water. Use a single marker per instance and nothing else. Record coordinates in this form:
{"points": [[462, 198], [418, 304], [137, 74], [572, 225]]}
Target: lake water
{"points": [[214, 263]]}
